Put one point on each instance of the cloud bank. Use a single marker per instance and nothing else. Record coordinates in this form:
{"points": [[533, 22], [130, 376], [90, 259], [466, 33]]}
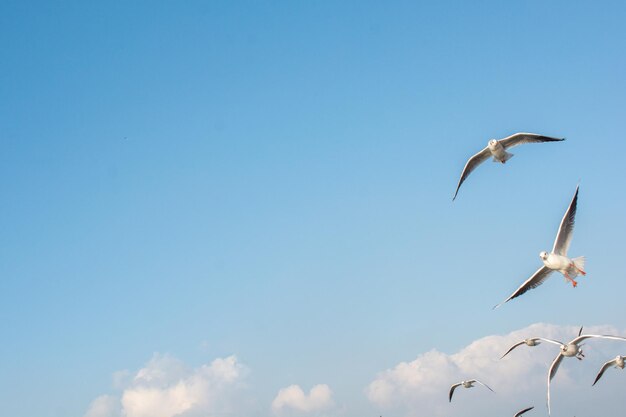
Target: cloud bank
{"points": [[166, 387], [292, 398]]}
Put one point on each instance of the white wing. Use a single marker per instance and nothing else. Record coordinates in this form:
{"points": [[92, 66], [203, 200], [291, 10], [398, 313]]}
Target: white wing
{"points": [[519, 413], [566, 229], [484, 385], [534, 281], [551, 373], [471, 164], [601, 336], [606, 366], [521, 138]]}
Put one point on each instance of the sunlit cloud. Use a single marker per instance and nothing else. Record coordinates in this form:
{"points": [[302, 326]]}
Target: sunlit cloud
{"points": [[293, 399], [166, 387], [420, 387]]}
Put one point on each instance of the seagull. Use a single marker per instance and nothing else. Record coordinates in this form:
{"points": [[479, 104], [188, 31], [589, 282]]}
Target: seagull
{"points": [[497, 150], [573, 349], [618, 362], [519, 413], [466, 384], [556, 260], [533, 341]]}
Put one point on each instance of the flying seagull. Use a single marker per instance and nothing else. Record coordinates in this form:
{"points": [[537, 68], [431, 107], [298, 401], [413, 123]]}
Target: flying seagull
{"points": [[497, 150], [533, 341], [573, 349], [519, 413], [618, 362], [556, 260], [466, 384]]}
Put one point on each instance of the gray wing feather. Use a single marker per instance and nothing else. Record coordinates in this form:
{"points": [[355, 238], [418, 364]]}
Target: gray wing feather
{"points": [[471, 165], [511, 348], [604, 368], [522, 138], [452, 388], [566, 229], [519, 413], [534, 281]]}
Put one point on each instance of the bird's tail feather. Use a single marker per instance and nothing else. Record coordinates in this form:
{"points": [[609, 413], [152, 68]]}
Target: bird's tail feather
{"points": [[579, 263], [507, 156]]}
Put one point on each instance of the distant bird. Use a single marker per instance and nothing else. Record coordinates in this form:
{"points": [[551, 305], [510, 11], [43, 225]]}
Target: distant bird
{"points": [[556, 260], [573, 349], [497, 150], [618, 362], [533, 341], [466, 384], [519, 413]]}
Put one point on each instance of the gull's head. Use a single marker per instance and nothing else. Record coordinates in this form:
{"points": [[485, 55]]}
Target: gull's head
{"points": [[492, 143], [543, 255]]}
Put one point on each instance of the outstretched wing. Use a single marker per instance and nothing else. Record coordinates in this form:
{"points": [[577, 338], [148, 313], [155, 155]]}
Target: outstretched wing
{"points": [[522, 138], [534, 281], [483, 384], [471, 165], [604, 368], [566, 229], [601, 336], [511, 348], [452, 388], [551, 373], [519, 413]]}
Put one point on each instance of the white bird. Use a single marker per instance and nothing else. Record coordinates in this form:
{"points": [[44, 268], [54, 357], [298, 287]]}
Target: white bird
{"points": [[496, 149], [533, 341], [573, 349], [618, 362], [466, 384], [519, 413], [556, 260]]}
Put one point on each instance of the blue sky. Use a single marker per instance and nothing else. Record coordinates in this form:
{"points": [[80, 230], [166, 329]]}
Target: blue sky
{"points": [[273, 180]]}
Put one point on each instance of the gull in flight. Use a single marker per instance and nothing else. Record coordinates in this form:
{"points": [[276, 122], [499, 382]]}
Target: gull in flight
{"points": [[573, 349], [556, 260], [496, 149], [466, 384], [618, 362], [533, 341], [519, 413]]}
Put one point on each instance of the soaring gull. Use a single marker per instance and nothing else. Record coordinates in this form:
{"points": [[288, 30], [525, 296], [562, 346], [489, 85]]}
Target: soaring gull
{"points": [[556, 260], [497, 150], [466, 384], [533, 341]]}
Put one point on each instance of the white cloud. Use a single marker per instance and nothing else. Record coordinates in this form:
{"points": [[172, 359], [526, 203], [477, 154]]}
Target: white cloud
{"points": [[292, 398], [420, 387], [104, 406], [166, 387]]}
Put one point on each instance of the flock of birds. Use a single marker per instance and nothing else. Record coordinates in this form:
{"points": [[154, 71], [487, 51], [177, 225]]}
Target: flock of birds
{"points": [[555, 260]]}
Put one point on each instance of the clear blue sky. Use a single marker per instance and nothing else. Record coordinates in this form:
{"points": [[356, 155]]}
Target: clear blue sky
{"points": [[273, 180]]}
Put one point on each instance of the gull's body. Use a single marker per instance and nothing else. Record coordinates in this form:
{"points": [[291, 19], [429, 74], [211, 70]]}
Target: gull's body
{"points": [[557, 259], [466, 384], [573, 349], [618, 362], [533, 341], [497, 149], [519, 413]]}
